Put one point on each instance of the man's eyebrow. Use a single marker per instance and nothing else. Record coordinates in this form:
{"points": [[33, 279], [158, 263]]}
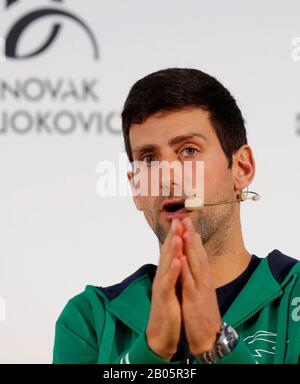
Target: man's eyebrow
{"points": [[146, 147], [179, 139], [171, 142]]}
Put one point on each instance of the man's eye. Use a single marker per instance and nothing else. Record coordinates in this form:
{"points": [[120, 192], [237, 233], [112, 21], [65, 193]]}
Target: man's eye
{"points": [[148, 159], [190, 151]]}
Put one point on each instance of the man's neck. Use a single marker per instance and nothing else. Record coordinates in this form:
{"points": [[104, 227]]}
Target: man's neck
{"points": [[227, 256]]}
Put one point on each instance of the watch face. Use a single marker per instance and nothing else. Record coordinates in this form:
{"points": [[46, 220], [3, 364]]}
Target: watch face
{"points": [[231, 336]]}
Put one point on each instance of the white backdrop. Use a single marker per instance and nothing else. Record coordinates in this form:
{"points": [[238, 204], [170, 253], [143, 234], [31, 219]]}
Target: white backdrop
{"points": [[56, 234]]}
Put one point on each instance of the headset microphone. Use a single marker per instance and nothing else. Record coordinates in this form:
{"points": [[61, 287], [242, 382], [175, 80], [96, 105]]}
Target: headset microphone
{"points": [[196, 202]]}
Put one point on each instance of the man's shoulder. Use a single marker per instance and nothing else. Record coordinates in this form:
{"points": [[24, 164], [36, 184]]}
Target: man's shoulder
{"points": [[113, 291], [282, 265], [91, 298], [78, 306]]}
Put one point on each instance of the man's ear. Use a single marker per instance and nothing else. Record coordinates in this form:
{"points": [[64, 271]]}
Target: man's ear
{"points": [[136, 198], [243, 167]]}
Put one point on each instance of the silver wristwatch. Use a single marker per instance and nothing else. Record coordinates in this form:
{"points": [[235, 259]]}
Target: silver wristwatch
{"points": [[226, 341]]}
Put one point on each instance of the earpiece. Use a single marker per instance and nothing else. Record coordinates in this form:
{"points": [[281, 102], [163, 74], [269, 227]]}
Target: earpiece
{"points": [[244, 196]]}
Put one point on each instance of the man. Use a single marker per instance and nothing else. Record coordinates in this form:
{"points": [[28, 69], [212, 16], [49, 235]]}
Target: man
{"points": [[208, 300]]}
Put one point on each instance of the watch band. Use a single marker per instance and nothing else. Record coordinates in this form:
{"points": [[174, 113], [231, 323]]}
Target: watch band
{"points": [[226, 341]]}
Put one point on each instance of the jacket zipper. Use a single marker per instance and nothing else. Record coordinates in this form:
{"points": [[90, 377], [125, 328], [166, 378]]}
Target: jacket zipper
{"points": [[259, 308]]}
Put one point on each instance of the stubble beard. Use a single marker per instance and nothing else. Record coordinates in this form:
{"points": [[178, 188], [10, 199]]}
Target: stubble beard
{"points": [[212, 224]]}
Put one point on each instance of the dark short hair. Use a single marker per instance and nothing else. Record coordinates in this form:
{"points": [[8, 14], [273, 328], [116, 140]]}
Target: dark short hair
{"points": [[178, 88]]}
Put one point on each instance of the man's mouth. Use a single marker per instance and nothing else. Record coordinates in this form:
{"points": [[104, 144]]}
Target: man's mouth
{"points": [[172, 209]]}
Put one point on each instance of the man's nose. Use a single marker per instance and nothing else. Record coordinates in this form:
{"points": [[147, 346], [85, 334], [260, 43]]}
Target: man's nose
{"points": [[171, 177]]}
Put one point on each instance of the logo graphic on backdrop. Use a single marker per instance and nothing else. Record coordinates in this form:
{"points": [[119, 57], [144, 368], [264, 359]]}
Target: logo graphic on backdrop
{"points": [[16, 31], [49, 99]]}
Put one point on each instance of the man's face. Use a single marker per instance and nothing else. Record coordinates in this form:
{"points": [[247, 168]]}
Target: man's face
{"points": [[151, 141]]}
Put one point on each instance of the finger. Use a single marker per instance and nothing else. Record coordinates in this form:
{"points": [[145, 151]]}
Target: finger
{"points": [[186, 277], [179, 227], [176, 252], [166, 254], [193, 248], [194, 237], [164, 260], [174, 272], [169, 279]]}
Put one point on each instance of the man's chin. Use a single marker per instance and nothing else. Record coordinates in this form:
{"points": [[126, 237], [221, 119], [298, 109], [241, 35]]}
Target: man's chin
{"points": [[161, 231]]}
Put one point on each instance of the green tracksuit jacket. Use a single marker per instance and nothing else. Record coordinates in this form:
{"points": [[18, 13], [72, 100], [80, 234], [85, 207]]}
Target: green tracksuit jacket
{"points": [[107, 325]]}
